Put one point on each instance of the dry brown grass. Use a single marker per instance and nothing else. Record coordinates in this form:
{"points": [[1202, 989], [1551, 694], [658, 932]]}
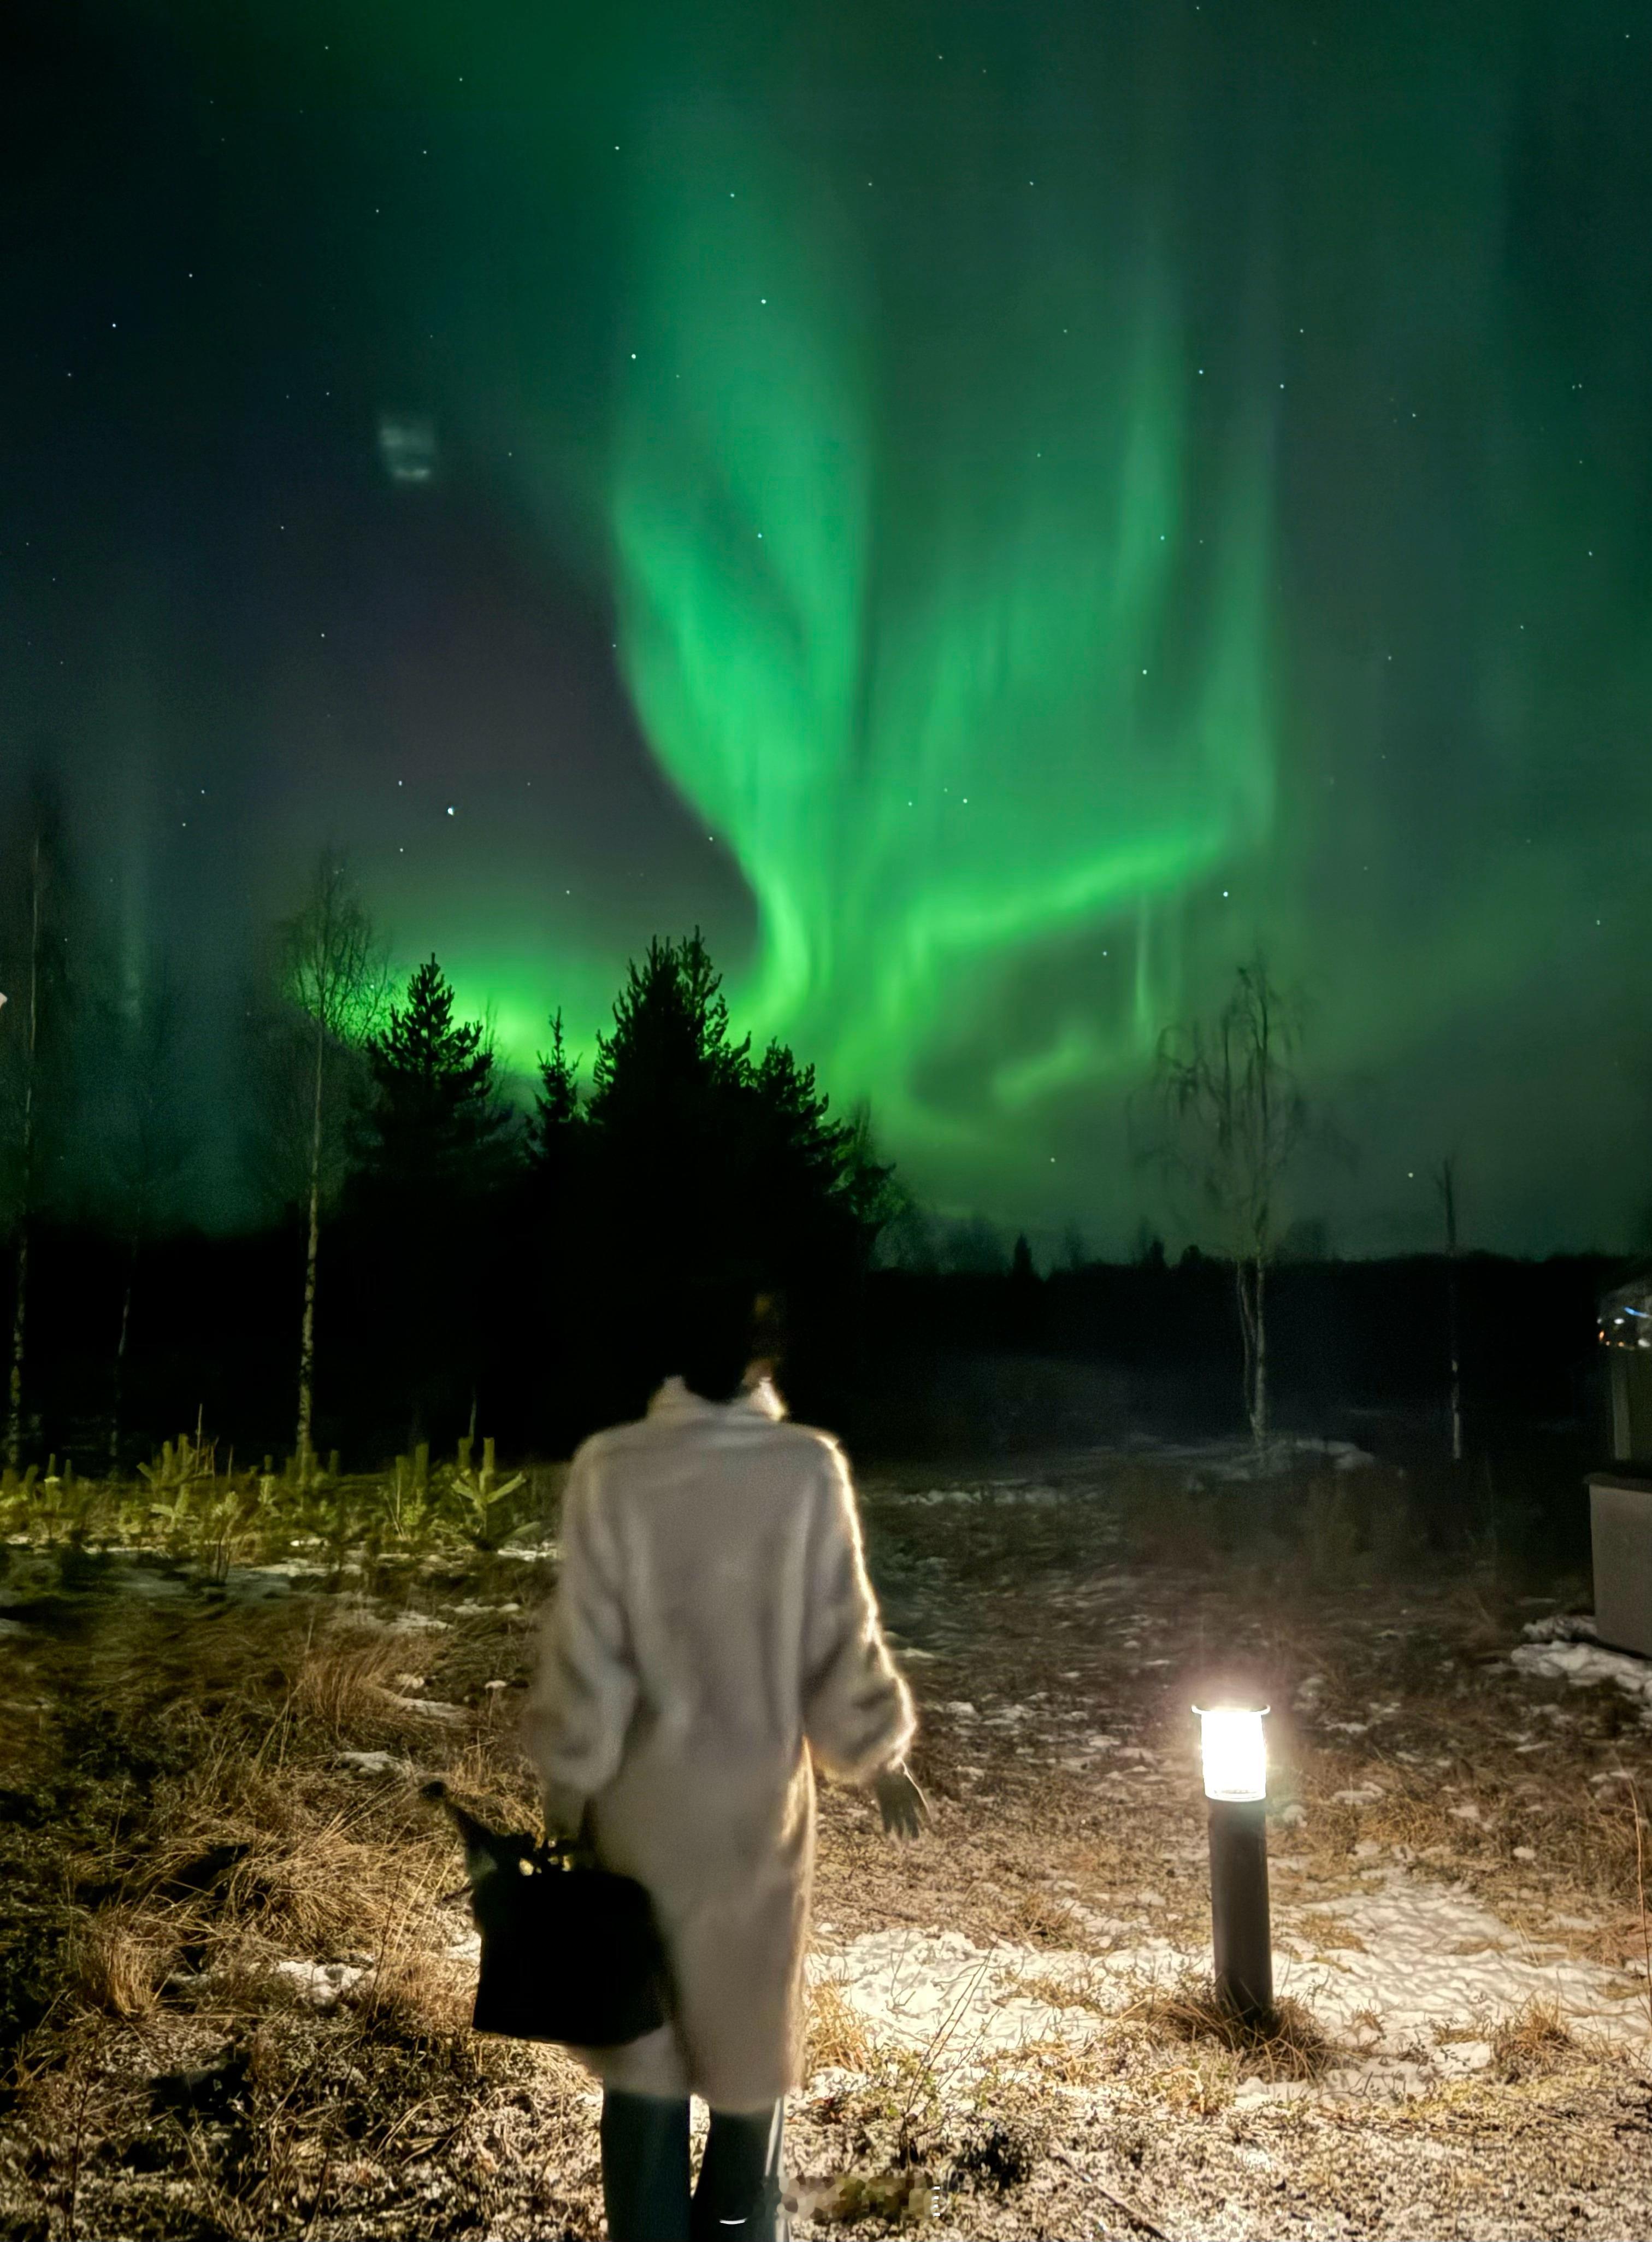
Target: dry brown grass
{"points": [[1290, 2044], [114, 1966], [1534, 2042], [838, 2038], [342, 1678], [1079, 1991]]}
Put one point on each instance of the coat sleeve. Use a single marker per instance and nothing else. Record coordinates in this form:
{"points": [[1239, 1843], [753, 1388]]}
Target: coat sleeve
{"points": [[857, 1711], [581, 1705]]}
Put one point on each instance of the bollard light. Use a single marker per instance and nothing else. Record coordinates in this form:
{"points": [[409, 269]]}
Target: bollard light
{"points": [[1234, 1752]]}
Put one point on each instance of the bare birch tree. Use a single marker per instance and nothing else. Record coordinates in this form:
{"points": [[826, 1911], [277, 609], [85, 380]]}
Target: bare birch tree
{"points": [[1234, 1120], [334, 974]]}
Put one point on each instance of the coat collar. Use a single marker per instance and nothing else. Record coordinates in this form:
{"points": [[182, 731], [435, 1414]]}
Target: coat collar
{"points": [[674, 1400]]}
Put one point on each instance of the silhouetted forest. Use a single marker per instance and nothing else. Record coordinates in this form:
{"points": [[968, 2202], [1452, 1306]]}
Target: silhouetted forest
{"points": [[430, 1259]]}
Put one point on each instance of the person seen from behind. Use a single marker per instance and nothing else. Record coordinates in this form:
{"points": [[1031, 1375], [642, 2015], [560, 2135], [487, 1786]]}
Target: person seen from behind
{"points": [[713, 1638]]}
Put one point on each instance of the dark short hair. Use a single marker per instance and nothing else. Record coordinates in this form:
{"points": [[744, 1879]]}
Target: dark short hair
{"points": [[706, 1331]]}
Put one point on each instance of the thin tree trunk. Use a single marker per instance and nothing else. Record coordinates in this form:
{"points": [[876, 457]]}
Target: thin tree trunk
{"points": [[307, 1338], [1248, 1332], [1449, 1191], [14, 1398], [1260, 1415], [120, 1358]]}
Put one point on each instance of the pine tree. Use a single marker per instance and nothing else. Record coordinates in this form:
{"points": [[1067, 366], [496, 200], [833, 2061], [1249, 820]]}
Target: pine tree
{"points": [[670, 1041], [556, 1103], [439, 1139], [438, 1124], [706, 1157]]}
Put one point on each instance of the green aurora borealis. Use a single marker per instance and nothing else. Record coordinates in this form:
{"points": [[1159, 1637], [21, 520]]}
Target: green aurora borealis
{"points": [[1032, 502], [926, 716]]}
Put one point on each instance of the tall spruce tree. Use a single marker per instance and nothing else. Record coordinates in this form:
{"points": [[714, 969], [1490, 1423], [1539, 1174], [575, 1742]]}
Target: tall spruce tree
{"points": [[437, 1123], [556, 1115], [709, 1162], [438, 1141]]}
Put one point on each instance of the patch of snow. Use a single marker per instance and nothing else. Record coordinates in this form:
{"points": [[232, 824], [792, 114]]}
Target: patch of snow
{"points": [[471, 1609], [372, 1762], [412, 1622], [958, 2004], [960, 1708], [1584, 1663], [320, 1984], [1432, 1972], [12, 1627], [433, 1707], [1436, 1959], [1252, 2091], [1562, 1627], [1362, 1793]]}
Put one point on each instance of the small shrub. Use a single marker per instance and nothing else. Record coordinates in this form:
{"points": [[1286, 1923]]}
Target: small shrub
{"points": [[1532, 2042], [115, 1969]]}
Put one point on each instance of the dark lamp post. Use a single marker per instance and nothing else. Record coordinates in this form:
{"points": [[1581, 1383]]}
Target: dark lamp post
{"points": [[1234, 1757]]}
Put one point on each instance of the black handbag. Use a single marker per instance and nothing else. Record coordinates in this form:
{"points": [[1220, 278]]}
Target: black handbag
{"points": [[569, 1951]]}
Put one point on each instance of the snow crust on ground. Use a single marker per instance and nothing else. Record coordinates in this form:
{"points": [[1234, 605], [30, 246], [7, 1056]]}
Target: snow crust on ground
{"points": [[1235, 1461], [1414, 2001], [1582, 1663], [320, 1984], [1435, 1961], [937, 1992], [373, 1762], [433, 1707]]}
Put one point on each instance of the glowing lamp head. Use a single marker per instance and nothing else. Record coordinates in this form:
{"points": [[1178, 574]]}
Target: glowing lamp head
{"points": [[1233, 1751]]}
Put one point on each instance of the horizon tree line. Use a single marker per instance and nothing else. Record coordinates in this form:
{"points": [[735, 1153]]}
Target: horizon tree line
{"points": [[383, 1117]]}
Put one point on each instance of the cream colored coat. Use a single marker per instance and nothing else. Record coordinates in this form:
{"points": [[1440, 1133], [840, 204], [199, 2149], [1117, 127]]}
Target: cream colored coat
{"points": [[712, 1626]]}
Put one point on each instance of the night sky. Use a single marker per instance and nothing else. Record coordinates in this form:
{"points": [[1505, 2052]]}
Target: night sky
{"points": [[991, 511]]}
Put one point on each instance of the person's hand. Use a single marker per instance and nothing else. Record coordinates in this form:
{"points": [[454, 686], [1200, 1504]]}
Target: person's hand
{"points": [[903, 1806]]}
